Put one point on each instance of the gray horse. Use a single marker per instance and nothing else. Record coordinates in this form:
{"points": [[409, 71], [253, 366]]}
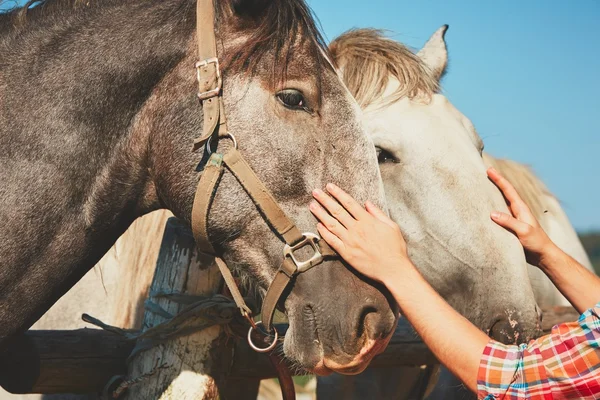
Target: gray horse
{"points": [[98, 113]]}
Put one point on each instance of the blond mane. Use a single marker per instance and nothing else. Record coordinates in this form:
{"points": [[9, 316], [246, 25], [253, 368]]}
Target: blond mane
{"points": [[531, 189], [367, 59]]}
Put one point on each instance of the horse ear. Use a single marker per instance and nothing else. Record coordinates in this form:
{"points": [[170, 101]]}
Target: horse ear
{"points": [[250, 8], [435, 53]]}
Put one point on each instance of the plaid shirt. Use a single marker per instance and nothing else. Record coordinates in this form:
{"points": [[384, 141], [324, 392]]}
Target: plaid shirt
{"points": [[562, 365]]}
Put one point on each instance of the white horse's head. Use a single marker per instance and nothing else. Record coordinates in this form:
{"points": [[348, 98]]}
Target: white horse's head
{"points": [[430, 157]]}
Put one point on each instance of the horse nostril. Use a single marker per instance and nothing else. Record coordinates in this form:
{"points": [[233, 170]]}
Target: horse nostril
{"points": [[363, 321], [373, 324], [506, 331], [539, 313]]}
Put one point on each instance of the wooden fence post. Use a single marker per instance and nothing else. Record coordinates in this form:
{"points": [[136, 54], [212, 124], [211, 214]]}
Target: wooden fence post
{"points": [[180, 368]]}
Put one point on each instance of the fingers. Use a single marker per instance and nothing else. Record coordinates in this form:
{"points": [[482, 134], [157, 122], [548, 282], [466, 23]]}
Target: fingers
{"points": [[509, 222], [335, 209], [327, 220], [331, 239], [517, 206], [355, 209], [380, 215], [510, 193]]}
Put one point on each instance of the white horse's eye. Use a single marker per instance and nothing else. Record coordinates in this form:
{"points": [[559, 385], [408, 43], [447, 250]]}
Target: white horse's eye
{"points": [[384, 156]]}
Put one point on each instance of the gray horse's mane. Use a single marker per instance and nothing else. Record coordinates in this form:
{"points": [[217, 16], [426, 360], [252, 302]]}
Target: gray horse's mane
{"points": [[368, 58], [275, 25]]}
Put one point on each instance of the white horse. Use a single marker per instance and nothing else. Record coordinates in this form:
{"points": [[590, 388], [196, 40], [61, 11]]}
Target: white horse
{"points": [[433, 167], [435, 184]]}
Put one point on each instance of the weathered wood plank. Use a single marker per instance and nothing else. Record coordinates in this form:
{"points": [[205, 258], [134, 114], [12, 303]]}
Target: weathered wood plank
{"points": [[76, 361], [82, 361], [179, 369]]}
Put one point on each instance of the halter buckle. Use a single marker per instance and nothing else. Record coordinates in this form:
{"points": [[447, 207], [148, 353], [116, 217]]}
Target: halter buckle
{"points": [[212, 92], [309, 239]]}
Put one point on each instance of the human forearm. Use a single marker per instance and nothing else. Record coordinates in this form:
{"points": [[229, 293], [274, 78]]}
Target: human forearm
{"points": [[579, 285], [456, 342]]}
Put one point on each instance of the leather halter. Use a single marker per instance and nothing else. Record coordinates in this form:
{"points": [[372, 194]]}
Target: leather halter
{"points": [[215, 127]]}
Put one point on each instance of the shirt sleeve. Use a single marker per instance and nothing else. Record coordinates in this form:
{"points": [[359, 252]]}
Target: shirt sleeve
{"points": [[564, 364]]}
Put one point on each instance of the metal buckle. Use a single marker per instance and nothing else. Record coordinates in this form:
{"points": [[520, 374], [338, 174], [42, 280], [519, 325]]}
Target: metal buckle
{"points": [[212, 92], [309, 239]]}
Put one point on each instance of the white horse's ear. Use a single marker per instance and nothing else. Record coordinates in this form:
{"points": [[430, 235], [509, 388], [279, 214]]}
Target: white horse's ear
{"points": [[435, 53]]}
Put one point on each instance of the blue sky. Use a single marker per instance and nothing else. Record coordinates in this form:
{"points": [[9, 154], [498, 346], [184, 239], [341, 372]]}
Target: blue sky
{"points": [[527, 73]]}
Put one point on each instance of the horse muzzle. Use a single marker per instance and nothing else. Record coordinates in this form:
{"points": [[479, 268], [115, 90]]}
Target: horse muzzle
{"points": [[340, 334]]}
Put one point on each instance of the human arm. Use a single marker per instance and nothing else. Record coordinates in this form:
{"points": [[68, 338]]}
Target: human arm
{"points": [[373, 244], [579, 285], [455, 341], [565, 362]]}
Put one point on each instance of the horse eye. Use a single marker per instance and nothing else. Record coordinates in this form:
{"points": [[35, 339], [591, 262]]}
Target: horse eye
{"points": [[384, 156], [293, 99]]}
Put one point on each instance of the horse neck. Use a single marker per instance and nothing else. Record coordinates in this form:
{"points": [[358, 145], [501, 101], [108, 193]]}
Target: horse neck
{"points": [[73, 170], [94, 69]]}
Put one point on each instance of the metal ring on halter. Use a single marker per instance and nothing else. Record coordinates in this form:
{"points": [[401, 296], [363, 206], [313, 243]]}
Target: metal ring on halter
{"points": [[260, 349], [227, 135]]}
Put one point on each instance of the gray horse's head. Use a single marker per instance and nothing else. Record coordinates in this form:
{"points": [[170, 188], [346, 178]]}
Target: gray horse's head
{"points": [[436, 185], [299, 128]]}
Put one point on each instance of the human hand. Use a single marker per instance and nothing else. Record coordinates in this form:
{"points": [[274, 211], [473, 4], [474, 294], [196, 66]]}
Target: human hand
{"points": [[365, 237], [522, 222]]}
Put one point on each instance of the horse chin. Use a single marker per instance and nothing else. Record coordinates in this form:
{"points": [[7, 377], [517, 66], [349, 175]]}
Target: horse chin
{"points": [[327, 365], [361, 361], [321, 369], [325, 368]]}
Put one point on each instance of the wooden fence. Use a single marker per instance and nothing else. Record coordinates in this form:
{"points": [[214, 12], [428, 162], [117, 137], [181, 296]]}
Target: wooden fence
{"points": [[83, 361]]}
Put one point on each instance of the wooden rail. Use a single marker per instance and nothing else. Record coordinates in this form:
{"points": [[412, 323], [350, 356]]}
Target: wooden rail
{"points": [[82, 361]]}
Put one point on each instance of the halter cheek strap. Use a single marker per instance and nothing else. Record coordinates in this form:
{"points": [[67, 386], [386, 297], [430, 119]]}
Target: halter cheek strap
{"points": [[215, 126], [208, 73], [273, 214]]}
